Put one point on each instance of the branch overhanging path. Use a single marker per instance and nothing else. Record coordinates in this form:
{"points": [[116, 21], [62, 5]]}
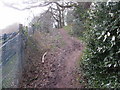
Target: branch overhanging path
{"points": [[37, 4]]}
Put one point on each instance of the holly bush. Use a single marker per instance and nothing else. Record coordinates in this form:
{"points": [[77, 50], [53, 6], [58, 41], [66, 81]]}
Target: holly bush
{"points": [[101, 61]]}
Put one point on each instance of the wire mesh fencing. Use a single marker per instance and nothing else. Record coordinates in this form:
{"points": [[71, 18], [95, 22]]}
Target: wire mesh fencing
{"points": [[12, 56]]}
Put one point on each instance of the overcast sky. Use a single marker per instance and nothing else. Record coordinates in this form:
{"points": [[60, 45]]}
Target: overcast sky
{"points": [[9, 15]]}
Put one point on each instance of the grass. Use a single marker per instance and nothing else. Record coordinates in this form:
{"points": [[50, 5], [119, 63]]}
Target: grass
{"points": [[32, 43], [69, 29]]}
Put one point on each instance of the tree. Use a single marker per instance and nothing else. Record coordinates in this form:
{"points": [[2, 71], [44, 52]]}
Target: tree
{"points": [[43, 22], [56, 8], [70, 17], [46, 21], [76, 16]]}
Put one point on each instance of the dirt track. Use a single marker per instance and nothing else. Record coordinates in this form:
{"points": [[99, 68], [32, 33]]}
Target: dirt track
{"points": [[61, 66]]}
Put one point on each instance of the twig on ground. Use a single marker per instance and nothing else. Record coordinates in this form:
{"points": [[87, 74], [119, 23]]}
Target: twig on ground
{"points": [[43, 57]]}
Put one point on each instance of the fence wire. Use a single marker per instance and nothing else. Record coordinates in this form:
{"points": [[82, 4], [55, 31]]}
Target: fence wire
{"points": [[12, 55]]}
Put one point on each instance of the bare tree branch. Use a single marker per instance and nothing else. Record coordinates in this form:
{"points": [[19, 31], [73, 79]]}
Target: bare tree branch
{"points": [[56, 8], [35, 4], [29, 7], [65, 6]]}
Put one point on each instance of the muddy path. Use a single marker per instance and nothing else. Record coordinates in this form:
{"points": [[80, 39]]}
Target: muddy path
{"points": [[60, 68]]}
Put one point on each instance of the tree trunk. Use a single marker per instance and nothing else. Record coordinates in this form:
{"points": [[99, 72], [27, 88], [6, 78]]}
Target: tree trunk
{"points": [[63, 22]]}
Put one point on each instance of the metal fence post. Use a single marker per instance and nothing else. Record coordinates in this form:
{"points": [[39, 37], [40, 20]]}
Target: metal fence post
{"points": [[20, 54]]}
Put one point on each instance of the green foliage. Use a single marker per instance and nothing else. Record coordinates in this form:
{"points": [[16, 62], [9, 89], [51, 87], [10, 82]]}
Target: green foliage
{"points": [[25, 30], [102, 56], [78, 23], [70, 17], [69, 29], [78, 28], [37, 25]]}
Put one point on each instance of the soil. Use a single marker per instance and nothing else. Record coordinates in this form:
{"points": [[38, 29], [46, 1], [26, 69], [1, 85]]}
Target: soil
{"points": [[61, 64]]}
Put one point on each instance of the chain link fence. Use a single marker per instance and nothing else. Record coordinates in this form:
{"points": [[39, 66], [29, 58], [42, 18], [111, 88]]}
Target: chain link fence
{"points": [[12, 56]]}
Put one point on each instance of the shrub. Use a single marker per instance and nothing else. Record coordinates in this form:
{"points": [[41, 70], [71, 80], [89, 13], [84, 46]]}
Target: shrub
{"points": [[101, 60]]}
